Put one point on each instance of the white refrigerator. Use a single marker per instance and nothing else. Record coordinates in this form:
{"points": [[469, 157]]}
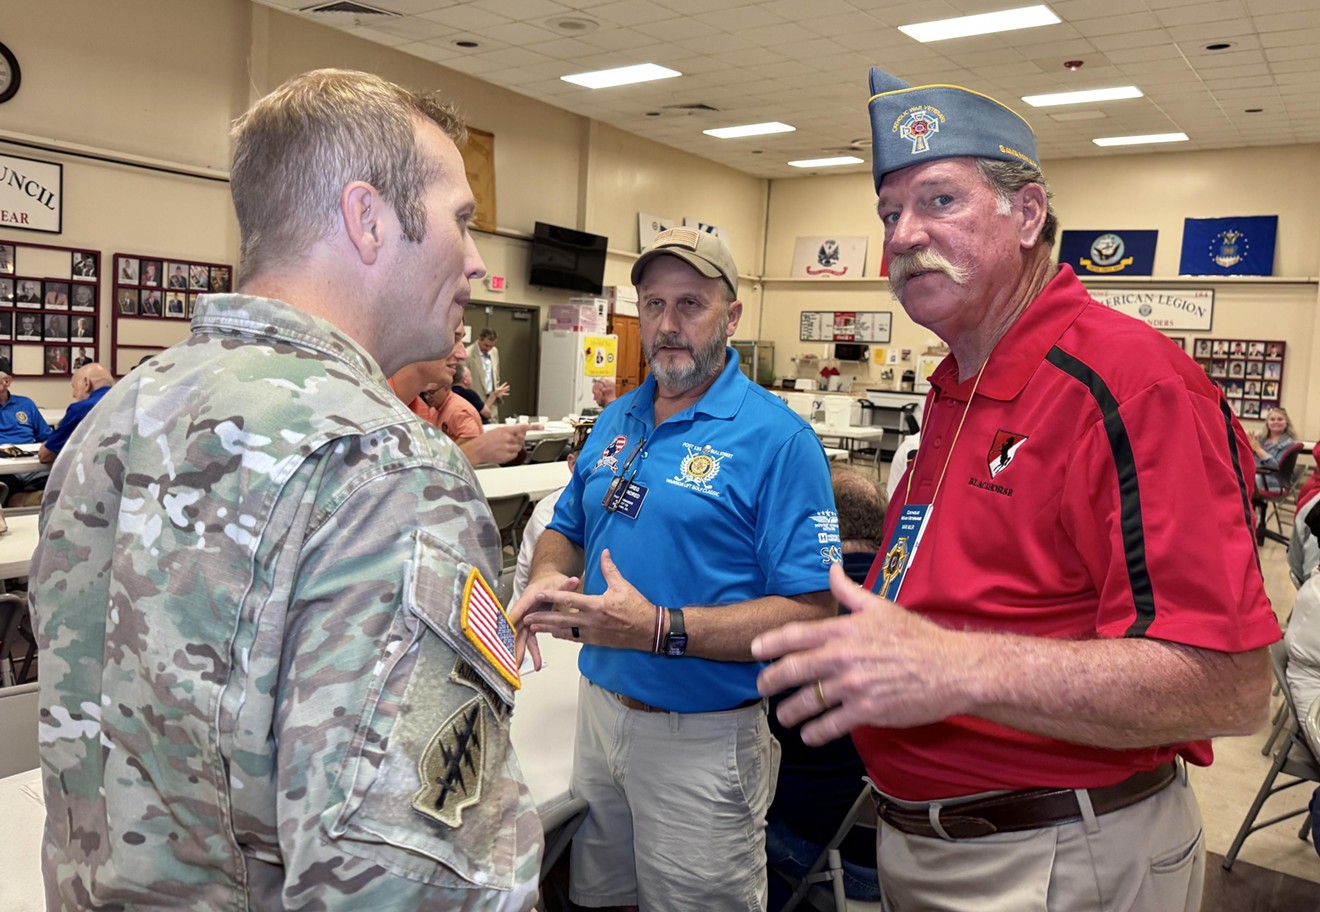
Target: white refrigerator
{"points": [[565, 388]]}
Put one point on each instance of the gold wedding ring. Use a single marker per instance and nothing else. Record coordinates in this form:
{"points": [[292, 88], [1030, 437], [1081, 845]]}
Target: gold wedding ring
{"points": [[820, 694]]}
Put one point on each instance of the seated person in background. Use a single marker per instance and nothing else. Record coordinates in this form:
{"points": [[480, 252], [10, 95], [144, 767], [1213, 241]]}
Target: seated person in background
{"points": [[20, 419], [898, 466], [1279, 435], [1302, 640], [541, 516], [1304, 544], [89, 383], [463, 387], [817, 785], [603, 391], [20, 422], [427, 388]]}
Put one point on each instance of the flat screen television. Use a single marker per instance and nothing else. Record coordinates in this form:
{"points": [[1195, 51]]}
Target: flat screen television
{"points": [[565, 258], [849, 351]]}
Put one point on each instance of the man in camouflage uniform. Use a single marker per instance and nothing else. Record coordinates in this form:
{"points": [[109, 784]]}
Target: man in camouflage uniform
{"points": [[270, 675]]}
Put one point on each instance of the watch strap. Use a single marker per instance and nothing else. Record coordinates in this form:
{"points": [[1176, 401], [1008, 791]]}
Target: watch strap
{"points": [[676, 637]]}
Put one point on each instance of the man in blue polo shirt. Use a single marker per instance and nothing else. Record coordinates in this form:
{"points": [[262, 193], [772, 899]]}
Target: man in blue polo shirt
{"points": [[20, 422], [89, 383], [20, 419], [700, 515]]}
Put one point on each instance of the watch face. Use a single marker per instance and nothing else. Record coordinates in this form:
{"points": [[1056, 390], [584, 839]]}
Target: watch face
{"points": [[10, 74], [676, 644]]}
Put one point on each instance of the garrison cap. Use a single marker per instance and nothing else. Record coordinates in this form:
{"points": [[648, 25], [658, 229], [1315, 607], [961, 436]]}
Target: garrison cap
{"points": [[914, 124]]}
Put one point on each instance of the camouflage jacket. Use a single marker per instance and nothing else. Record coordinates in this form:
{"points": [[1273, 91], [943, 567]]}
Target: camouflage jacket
{"points": [[256, 689]]}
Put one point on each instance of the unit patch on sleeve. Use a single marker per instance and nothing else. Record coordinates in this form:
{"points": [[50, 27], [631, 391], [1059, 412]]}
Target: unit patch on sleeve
{"points": [[452, 767]]}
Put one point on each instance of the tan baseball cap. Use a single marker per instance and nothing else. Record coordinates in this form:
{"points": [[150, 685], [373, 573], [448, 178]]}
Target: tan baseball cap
{"points": [[704, 252]]}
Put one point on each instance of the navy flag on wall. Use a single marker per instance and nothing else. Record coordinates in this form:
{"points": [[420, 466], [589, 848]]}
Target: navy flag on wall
{"points": [[1109, 252], [1243, 245]]}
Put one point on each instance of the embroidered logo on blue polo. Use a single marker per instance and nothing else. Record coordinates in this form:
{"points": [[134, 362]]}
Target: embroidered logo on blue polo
{"points": [[609, 457], [699, 468], [21, 416], [917, 125], [1002, 450]]}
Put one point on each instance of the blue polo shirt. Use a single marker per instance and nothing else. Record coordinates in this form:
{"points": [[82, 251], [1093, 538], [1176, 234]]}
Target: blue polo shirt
{"points": [[738, 505], [75, 413], [21, 421]]}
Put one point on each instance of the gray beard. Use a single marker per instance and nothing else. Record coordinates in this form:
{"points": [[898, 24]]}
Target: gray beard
{"points": [[707, 361]]}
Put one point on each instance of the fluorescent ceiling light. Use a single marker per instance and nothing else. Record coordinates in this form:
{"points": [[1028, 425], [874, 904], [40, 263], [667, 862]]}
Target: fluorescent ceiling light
{"points": [[826, 162], [983, 24], [1139, 140], [1084, 96], [760, 129], [604, 79]]}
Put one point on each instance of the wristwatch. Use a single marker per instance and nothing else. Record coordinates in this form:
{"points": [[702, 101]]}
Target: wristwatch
{"points": [[676, 638]]}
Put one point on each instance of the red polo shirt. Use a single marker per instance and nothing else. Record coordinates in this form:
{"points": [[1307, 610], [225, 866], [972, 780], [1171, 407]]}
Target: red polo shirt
{"points": [[1096, 488]]}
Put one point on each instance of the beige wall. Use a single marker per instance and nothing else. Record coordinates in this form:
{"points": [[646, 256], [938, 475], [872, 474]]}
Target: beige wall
{"points": [[1154, 190], [159, 81]]}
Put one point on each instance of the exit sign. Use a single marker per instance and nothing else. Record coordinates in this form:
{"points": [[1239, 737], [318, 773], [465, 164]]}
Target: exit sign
{"points": [[495, 283]]}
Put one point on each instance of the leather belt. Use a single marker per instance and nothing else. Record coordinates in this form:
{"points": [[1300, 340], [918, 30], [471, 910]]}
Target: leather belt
{"points": [[1031, 809], [648, 708]]}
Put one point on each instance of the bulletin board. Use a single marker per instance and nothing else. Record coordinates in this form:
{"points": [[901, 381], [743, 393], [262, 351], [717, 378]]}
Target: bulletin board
{"points": [[1250, 371], [48, 307], [154, 301], [845, 326]]}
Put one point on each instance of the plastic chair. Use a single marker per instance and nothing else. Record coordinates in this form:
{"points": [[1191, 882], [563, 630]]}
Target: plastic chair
{"points": [[13, 612], [828, 866], [19, 710], [1266, 501], [509, 512], [559, 827], [548, 450], [1293, 758]]}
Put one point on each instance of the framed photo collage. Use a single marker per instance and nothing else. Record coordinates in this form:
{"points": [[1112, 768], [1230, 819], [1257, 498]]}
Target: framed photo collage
{"points": [[154, 298], [48, 305], [1250, 371], [168, 289]]}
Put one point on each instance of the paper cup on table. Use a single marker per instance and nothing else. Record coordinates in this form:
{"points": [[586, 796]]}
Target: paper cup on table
{"points": [[522, 419]]}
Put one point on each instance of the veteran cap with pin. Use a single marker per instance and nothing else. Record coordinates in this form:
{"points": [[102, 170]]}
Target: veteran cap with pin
{"points": [[914, 124]]}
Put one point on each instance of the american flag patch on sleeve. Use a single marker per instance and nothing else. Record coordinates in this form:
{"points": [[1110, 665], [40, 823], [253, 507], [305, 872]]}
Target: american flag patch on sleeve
{"points": [[487, 626]]}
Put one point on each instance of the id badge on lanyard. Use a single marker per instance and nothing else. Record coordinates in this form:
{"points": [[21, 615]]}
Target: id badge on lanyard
{"points": [[901, 550]]}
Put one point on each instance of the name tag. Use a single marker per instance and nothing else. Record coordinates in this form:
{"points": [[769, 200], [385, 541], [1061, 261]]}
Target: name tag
{"points": [[901, 550], [631, 502]]}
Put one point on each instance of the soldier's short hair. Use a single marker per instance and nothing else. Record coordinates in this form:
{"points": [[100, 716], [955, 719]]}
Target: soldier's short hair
{"points": [[297, 148]]}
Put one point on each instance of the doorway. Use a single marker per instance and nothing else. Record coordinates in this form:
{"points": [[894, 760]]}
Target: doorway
{"points": [[518, 339]]}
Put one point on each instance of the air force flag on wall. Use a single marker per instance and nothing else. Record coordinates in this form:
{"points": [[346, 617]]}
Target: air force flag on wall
{"points": [[1229, 246], [1109, 252]]}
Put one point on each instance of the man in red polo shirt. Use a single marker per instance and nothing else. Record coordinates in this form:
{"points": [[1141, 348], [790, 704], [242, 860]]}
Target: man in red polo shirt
{"points": [[1071, 603]]}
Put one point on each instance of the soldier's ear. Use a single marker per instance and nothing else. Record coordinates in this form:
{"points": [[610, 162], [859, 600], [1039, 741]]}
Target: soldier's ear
{"points": [[362, 209]]}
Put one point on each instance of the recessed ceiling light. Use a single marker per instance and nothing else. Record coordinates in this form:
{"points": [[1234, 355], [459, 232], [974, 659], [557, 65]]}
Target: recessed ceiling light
{"points": [[618, 76], [1140, 140], [826, 162], [983, 24], [1083, 96], [575, 25], [760, 129]]}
